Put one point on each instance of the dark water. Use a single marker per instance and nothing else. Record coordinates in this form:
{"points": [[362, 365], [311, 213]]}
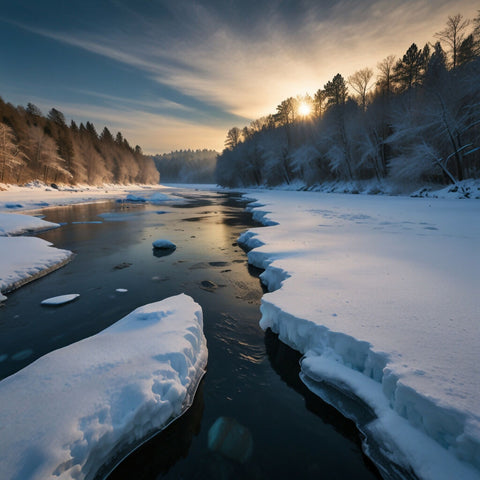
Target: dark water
{"points": [[252, 377]]}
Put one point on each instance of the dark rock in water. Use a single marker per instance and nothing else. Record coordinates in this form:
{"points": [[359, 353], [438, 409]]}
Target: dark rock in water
{"points": [[219, 264], [208, 285], [231, 439], [120, 266]]}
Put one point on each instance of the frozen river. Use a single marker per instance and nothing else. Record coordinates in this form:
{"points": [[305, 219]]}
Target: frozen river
{"points": [[252, 377]]}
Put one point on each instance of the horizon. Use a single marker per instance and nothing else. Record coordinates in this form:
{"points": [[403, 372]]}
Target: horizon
{"points": [[178, 77]]}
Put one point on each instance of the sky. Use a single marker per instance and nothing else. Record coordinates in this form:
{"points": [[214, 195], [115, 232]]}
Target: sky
{"points": [[178, 74]]}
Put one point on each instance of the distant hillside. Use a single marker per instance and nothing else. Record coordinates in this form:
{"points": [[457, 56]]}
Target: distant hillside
{"points": [[187, 166]]}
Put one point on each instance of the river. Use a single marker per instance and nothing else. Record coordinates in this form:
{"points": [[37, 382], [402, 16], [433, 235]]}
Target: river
{"points": [[252, 377]]}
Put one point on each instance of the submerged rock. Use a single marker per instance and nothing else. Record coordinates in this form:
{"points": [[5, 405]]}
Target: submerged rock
{"points": [[231, 439]]}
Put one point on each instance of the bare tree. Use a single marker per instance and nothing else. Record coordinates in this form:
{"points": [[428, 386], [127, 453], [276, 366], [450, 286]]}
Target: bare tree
{"points": [[453, 35], [360, 82], [385, 77]]}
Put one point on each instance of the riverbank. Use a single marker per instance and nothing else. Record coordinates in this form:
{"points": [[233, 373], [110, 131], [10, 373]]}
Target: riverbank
{"points": [[380, 295]]}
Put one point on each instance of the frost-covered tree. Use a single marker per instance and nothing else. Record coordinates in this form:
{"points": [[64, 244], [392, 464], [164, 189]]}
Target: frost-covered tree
{"points": [[11, 156]]}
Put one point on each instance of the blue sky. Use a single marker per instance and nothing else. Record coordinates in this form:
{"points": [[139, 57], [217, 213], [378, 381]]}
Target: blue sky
{"points": [[179, 74]]}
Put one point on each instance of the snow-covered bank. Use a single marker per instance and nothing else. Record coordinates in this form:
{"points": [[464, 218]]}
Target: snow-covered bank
{"points": [[16, 224], [37, 195], [75, 409], [24, 259], [466, 189], [380, 294]]}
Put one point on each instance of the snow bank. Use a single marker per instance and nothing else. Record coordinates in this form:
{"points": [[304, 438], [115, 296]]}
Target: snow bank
{"points": [[16, 224], [77, 408], [26, 258], [380, 294], [38, 195]]}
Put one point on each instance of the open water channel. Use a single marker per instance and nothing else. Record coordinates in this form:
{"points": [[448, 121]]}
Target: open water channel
{"points": [[252, 377]]}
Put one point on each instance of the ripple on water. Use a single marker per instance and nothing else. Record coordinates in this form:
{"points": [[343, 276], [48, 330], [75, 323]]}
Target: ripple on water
{"points": [[22, 355]]}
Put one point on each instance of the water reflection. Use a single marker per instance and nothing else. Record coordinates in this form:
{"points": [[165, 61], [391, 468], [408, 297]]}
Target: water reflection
{"points": [[158, 455], [162, 252]]}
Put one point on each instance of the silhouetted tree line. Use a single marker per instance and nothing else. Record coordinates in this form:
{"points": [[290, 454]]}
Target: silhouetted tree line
{"points": [[33, 147], [417, 121], [187, 166]]}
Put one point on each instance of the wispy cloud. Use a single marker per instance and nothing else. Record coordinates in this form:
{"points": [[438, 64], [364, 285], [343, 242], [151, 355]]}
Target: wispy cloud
{"points": [[247, 76], [244, 65]]}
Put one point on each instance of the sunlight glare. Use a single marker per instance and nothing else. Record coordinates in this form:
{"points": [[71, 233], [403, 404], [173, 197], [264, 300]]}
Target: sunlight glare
{"points": [[304, 109]]}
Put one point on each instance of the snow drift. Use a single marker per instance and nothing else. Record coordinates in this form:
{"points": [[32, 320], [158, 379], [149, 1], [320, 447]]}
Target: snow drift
{"points": [[83, 406]]}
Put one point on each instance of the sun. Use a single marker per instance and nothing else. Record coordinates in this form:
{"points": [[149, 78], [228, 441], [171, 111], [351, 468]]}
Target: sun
{"points": [[304, 109]]}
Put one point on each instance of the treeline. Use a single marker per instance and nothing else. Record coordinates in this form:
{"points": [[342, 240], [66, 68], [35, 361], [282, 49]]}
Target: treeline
{"points": [[35, 147], [416, 121], [187, 166]]}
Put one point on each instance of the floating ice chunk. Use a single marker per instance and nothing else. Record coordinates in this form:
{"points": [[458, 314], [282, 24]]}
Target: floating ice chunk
{"points": [[73, 411], [121, 290], [135, 198], [164, 244], [159, 197], [2, 297], [232, 440], [60, 300]]}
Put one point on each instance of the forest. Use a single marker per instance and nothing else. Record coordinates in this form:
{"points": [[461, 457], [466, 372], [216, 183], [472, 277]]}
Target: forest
{"points": [[187, 166], [45, 148], [415, 122]]}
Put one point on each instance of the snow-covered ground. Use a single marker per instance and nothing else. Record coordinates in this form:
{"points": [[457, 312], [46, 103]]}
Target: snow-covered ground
{"points": [[381, 295], [38, 195], [74, 409]]}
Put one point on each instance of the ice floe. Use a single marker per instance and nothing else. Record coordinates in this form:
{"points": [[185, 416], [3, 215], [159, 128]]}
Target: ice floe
{"points": [[60, 300], [162, 243], [75, 411]]}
